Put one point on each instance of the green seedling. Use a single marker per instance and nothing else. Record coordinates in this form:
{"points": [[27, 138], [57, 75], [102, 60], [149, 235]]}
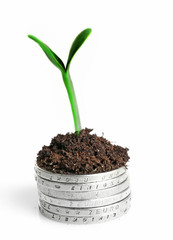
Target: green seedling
{"points": [[77, 43]]}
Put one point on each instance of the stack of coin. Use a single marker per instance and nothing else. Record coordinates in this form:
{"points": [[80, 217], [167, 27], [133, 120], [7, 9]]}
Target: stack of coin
{"points": [[83, 198]]}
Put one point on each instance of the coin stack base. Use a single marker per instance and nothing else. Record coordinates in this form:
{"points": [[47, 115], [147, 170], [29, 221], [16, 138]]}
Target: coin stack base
{"points": [[83, 199]]}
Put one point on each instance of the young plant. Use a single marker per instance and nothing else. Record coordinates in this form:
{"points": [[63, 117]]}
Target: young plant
{"points": [[77, 43]]}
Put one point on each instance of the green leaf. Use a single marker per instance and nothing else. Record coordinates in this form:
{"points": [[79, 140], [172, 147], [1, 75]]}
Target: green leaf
{"points": [[79, 40], [49, 53]]}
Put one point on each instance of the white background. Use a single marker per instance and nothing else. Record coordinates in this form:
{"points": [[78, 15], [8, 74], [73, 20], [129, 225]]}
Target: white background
{"points": [[123, 77]]}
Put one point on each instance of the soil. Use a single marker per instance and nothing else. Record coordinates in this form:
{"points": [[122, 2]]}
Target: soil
{"points": [[84, 153]]}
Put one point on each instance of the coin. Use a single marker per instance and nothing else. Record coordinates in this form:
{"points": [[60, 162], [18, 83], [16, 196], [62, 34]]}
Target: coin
{"points": [[90, 212], [81, 187], [84, 219], [84, 195], [79, 178], [85, 203]]}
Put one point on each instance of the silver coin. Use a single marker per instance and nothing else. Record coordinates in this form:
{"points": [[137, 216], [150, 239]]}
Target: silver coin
{"points": [[84, 220], [84, 195], [90, 212], [82, 187], [85, 203], [79, 178]]}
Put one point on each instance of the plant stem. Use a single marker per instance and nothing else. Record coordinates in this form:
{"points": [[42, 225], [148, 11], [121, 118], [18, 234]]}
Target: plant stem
{"points": [[72, 97]]}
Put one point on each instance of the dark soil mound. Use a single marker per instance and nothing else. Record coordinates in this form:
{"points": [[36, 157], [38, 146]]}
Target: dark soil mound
{"points": [[81, 154]]}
